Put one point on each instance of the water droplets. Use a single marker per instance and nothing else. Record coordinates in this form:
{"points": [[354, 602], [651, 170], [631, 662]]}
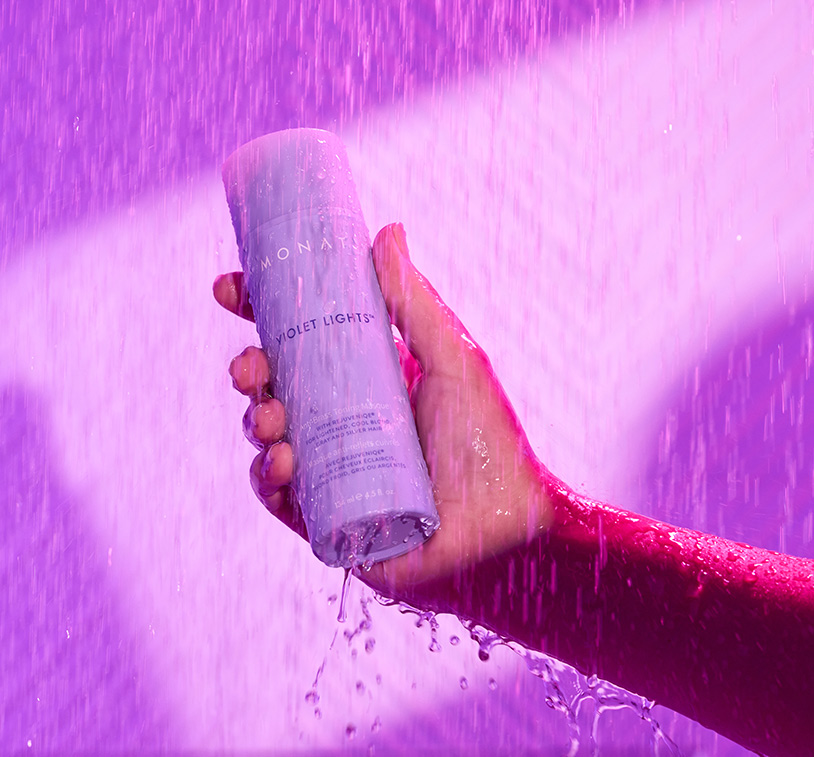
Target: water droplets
{"points": [[486, 640], [479, 445], [697, 588]]}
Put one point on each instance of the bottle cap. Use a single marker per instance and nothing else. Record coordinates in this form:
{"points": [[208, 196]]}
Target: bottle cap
{"points": [[291, 171]]}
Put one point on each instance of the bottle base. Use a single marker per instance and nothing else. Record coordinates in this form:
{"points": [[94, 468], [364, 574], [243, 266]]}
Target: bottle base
{"points": [[374, 538]]}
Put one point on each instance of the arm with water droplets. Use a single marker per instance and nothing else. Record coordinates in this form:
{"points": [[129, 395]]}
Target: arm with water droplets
{"points": [[719, 631]]}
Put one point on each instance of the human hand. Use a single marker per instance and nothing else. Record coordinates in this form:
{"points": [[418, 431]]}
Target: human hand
{"points": [[486, 479]]}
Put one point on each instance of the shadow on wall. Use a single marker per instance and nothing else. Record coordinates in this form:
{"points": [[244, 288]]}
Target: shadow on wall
{"points": [[72, 677], [104, 101], [735, 452]]}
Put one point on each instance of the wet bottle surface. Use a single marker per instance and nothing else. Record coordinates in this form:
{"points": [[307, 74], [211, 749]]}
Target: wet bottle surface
{"points": [[359, 477]]}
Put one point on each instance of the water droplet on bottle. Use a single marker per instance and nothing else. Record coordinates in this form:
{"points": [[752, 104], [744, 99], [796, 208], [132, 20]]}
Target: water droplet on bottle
{"points": [[312, 697], [321, 173], [350, 731], [370, 645], [492, 684], [454, 640], [377, 725], [464, 683], [483, 655], [360, 687]]}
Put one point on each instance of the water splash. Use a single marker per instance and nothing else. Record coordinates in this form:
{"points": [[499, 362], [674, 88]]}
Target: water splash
{"points": [[605, 696]]}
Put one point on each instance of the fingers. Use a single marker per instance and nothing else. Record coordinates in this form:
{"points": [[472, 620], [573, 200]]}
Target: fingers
{"points": [[264, 426], [270, 475], [250, 372], [271, 470], [230, 292], [431, 330], [264, 422]]}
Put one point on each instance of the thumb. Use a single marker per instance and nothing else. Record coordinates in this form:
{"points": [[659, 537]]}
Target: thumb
{"points": [[430, 329]]}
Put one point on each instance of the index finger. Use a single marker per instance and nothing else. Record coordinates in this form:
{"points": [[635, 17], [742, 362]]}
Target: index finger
{"points": [[230, 291]]}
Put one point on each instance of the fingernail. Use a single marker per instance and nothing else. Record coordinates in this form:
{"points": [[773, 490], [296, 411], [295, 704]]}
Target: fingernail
{"points": [[267, 461], [249, 426], [400, 237]]}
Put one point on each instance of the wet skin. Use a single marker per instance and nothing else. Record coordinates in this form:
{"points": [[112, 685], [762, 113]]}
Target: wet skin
{"points": [[719, 631]]}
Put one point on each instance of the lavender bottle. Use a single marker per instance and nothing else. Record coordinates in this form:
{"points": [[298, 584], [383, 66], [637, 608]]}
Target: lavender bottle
{"points": [[359, 474]]}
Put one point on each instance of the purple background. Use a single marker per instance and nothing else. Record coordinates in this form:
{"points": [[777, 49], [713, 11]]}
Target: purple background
{"points": [[616, 201]]}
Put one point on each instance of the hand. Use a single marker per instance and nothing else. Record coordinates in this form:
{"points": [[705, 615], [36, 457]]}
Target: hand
{"points": [[486, 479]]}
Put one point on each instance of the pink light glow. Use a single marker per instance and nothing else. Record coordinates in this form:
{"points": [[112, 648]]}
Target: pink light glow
{"points": [[621, 214]]}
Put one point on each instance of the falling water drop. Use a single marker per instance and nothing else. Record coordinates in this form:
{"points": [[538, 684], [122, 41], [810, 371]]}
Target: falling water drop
{"points": [[343, 600]]}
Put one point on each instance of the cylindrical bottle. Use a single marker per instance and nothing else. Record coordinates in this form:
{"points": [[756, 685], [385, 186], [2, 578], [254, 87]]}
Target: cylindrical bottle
{"points": [[359, 474]]}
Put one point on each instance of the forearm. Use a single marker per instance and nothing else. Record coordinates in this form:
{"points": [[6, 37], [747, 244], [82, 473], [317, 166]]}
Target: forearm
{"points": [[718, 631]]}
